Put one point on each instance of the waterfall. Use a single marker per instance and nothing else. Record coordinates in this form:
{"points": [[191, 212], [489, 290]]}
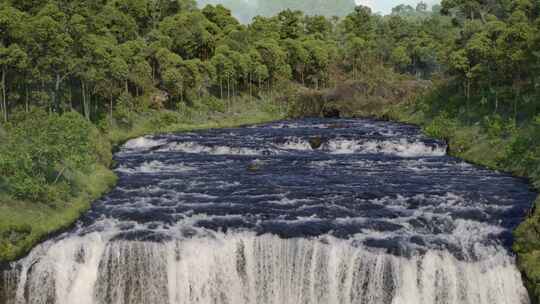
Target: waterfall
{"points": [[248, 269], [304, 212]]}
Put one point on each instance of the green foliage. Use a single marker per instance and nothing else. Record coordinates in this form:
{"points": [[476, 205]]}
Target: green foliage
{"points": [[90, 58], [441, 126], [400, 58], [213, 104], [42, 152], [163, 119], [123, 113], [523, 151], [527, 246], [24, 223]]}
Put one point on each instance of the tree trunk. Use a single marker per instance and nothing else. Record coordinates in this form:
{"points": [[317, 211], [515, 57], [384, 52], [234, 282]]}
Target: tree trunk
{"points": [[153, 72], [221, 87], [4, 95], [496, 102], [250, 87], [516, 100], [27, 102], [111, 108], [2, 109], [228, 88], [56, 100], [354, 69], [182, 95], [96, 104], [468, 99], [70, 95], [86, 105]]}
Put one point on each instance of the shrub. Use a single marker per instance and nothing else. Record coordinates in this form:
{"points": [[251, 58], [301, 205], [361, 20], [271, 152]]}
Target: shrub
{"points": [[494, 125], [522, 155], [441, 126], [213, 104], [161, 120], [123, 114], [40, 148]]}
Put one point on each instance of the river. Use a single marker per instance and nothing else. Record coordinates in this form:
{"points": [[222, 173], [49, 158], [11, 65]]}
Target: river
{"points": [[307, 211]]}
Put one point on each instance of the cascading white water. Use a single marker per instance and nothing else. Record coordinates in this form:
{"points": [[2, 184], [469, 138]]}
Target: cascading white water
{"points": [[376, 214], [244, 268], [400, 147]]}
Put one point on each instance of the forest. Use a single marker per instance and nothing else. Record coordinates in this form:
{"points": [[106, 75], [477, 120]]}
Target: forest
{"points": [[78, 77]]}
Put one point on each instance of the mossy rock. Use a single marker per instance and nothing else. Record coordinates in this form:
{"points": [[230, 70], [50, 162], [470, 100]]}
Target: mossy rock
{"points": [[332, 112], [316, 142]]}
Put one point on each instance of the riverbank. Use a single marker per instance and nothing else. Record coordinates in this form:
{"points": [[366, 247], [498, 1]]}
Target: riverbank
{"points": [[488, 141], [25, 222]]}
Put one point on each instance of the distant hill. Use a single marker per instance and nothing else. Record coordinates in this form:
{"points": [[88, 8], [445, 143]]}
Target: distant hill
{"points": [[245, 10]]}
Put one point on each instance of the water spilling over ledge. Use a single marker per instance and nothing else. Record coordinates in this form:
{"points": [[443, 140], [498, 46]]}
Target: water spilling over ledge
{"points": [[311, 211]]}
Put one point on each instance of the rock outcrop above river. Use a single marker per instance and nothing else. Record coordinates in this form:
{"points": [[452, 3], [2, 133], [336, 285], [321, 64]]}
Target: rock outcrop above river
{"points": [[355, 98]]}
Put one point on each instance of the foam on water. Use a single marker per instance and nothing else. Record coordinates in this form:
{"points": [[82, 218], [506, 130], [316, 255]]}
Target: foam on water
{"points": [[378, 214], [155, 167], [298, 144], [142, 144], [402, 148], [191, 147]]}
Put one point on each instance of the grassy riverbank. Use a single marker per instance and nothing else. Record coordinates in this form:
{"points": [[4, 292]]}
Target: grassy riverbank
{"points": [[48, 181]]}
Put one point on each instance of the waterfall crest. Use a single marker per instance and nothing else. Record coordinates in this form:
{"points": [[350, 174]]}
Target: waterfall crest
{"points": [[243, 268]]}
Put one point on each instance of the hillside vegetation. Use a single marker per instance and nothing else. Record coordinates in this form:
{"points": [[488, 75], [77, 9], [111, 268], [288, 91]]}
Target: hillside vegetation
{"points": [[79, 77]]}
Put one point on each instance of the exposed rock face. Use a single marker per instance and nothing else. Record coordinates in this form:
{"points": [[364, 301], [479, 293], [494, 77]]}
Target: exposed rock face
{"points": [[158, 100], [355, 98], [331, 113]]}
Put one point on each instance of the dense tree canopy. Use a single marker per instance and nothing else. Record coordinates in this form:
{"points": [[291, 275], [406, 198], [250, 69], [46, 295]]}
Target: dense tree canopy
{"points": [[88, 55]]}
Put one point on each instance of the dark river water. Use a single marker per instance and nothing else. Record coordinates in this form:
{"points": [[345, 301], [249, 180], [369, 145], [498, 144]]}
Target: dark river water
{"points": [[300, 212]]}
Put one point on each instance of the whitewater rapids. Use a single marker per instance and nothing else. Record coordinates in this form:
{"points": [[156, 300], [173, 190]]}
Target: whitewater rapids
{"points": [[310, 211]]}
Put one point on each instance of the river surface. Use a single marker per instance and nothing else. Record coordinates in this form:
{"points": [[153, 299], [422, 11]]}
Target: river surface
{"points": [[299, 212]]}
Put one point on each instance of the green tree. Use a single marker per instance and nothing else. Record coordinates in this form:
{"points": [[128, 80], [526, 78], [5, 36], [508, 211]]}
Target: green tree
{"points": [[360, 23], [194, 40], [290, 23], [357, 50], [219, 15], [224, 70], [12, 55], [319, 59], [275, 60], [297, 58], [400, 58]]}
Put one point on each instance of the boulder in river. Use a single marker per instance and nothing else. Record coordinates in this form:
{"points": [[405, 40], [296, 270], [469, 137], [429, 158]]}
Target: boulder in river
{"points": [[316, 142], [254, 166]]}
